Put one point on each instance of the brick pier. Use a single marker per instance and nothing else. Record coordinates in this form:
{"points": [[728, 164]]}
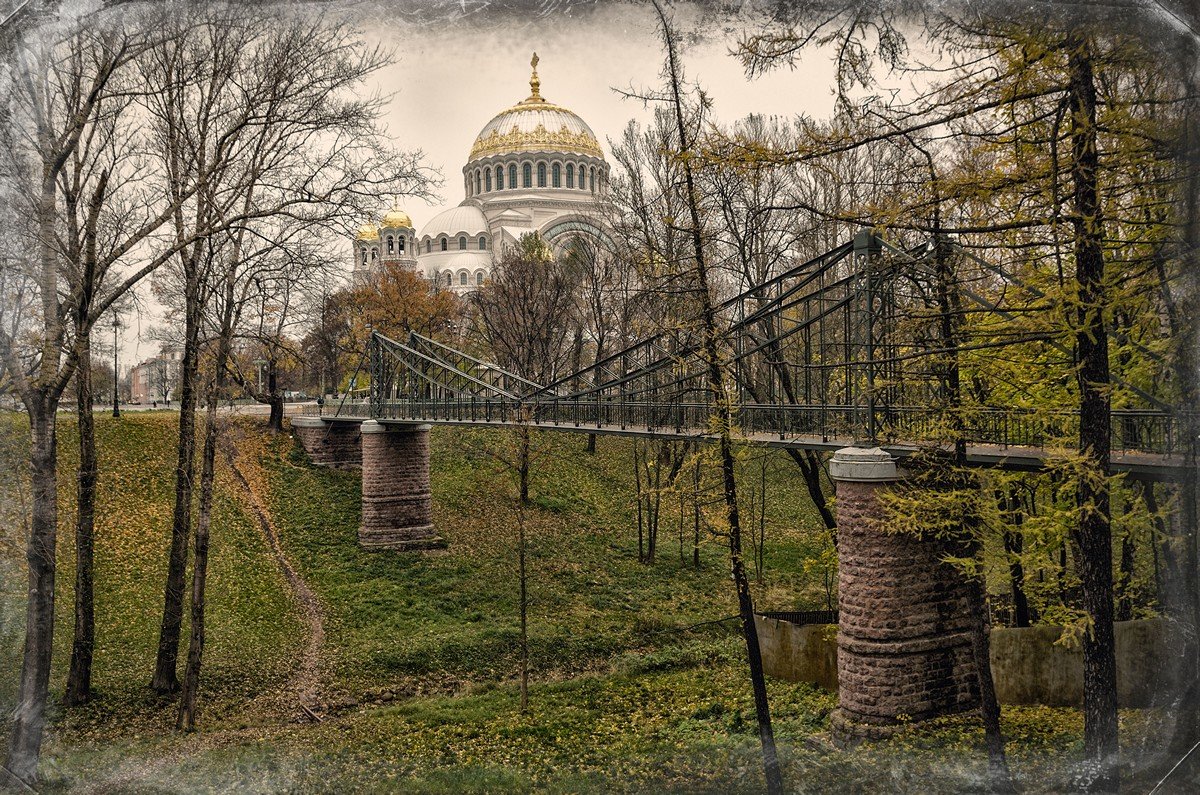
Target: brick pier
{"points": [[328, 443], [904, 652], [397, 507]]}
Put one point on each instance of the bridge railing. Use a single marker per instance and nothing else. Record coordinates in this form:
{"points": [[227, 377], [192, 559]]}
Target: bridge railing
{"points": [[1132, 430]]}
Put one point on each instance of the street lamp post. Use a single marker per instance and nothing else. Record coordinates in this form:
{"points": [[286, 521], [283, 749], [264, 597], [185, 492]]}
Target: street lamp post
{"points": [[116, 380]]}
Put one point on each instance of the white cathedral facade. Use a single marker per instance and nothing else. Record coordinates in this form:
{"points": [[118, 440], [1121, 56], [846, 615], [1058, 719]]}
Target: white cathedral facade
{"points": [[535, 167]]}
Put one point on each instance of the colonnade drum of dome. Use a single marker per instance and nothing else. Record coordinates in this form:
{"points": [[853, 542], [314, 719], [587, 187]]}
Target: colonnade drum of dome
{"points": [[847, 348]]}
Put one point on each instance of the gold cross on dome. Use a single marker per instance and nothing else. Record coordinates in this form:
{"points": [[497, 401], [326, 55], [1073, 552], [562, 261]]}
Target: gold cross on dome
{"points": [[534, 83]]}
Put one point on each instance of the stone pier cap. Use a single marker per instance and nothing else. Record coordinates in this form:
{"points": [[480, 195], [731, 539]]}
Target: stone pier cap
{"points": [[307, 422], [374, 426], [863, 465]]}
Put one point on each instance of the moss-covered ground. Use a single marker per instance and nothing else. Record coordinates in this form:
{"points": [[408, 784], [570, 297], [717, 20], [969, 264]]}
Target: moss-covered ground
{"points": [[637, 685]]}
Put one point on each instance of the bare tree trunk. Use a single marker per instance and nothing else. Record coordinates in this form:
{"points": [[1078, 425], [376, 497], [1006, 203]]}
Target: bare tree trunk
{"points": [[165, 679], [522, 504], [274, 399], [724, 420], [186, 720], [29, 718], [79, 678], [1093, 533]]}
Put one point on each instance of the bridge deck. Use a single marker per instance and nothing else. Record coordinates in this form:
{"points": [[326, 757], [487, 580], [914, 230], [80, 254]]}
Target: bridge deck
{"points": [[1140, 465]]}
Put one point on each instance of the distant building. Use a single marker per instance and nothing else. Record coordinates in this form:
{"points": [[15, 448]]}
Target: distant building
{"points": [[155, 379], [535, 167]]}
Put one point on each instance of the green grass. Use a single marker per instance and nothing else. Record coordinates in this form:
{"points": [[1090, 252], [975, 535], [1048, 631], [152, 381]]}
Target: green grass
{"points": [[437, 621], [627, 694], [252, 632]]}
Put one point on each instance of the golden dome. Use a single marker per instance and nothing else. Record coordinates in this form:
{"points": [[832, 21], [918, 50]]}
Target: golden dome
{"points": [[397, 218], [367, 232], [536, 125]]}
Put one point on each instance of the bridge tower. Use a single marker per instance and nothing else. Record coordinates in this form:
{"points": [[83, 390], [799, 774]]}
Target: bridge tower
{"points": [[904, 624]]}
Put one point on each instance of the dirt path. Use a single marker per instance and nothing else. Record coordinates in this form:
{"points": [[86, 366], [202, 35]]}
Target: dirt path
{"points": [[305, 683]]}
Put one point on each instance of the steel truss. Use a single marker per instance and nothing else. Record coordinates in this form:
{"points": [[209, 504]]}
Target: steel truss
{"points": [[842, 349]]}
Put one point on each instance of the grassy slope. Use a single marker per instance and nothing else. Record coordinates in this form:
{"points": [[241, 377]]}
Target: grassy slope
{"points": [[252, 633], [438, 621], [621, 700]]}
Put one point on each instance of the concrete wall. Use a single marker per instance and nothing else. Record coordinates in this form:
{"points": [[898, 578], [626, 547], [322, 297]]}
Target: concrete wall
{"points": [[1028, 667], [799, 653]]}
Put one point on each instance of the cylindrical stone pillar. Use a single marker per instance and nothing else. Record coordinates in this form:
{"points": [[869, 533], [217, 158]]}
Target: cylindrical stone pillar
{"points": [[397, 507], [330, 443], [904, 643]]}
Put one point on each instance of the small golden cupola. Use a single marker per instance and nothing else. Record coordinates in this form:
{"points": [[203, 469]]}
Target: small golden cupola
{"points": [[397, 219], [367, 232]]}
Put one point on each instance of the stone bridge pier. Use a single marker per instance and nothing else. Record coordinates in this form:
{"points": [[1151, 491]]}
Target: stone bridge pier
{"points": [[397, 506], [904, 642], [337, 445]]}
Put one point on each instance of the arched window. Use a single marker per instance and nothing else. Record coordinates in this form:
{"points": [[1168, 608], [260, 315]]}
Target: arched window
{"points": [[483, 242], [512, 177], [487, 180], [527, 182], [462, 278], [391, 245], [592, 179], [582, 177], [364, 253], [428, 246], [541, 175], [444, 242], [449, 278], [462, 243], [570, 175], [479, 278], [400, 242], [478, 182], [499, 177], [374, 254], [556, 175]]}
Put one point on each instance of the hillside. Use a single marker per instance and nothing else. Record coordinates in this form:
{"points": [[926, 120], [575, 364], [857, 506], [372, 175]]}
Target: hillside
{"points": [[636, 682]]}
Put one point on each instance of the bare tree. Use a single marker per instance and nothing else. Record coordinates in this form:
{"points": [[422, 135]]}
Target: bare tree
{"points": [[266, 108]]}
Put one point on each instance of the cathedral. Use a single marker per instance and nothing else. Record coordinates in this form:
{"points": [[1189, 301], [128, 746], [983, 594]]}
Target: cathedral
{"points": [[535, 167]]}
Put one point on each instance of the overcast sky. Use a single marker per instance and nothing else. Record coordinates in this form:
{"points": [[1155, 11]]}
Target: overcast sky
{"points": [[460, 62], [452, 78]]}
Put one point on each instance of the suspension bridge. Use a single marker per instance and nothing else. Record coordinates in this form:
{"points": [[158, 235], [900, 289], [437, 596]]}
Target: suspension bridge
{"points": [[849, 348]]}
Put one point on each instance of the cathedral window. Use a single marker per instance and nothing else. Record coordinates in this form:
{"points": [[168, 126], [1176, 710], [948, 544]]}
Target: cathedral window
{"points": [[391, 245], [483, 242], [462, 278], [400, 243], [512, 176], [556, 175], [499, 177], [527, 181], [592, 179], [541, 175], [428, 246], [364, 253], [462, 243], [478, 183], [479, 278], [444, 244], [582, 177], [570, 175], [487, 180]]}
